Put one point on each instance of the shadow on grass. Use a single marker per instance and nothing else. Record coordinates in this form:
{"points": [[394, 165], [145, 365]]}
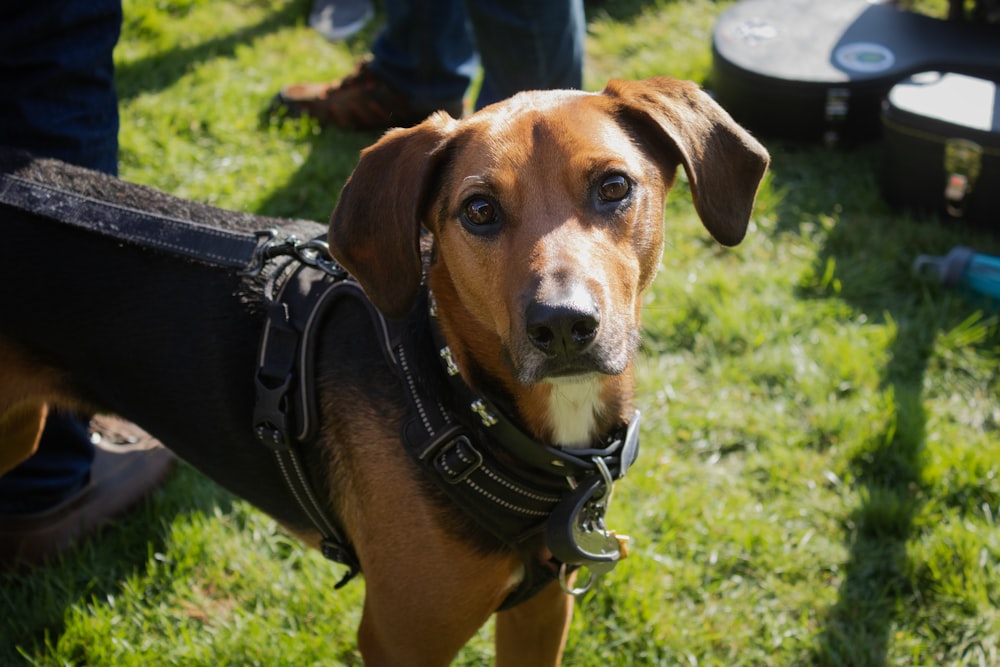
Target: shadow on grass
{"points": [[312, 191], [866, 261], [35, 603], [160, 71]]}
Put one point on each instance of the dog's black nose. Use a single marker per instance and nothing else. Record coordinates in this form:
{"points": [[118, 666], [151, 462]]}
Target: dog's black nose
{"points": [[563, 328]]}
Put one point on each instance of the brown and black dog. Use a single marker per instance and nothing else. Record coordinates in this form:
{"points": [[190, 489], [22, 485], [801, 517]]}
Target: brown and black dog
{"points": [[545, 214]]}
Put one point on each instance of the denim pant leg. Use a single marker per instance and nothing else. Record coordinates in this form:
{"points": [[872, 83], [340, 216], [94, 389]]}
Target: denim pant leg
{"points": [[57, 74], [426, 51], [59, 100], [527, 45]]}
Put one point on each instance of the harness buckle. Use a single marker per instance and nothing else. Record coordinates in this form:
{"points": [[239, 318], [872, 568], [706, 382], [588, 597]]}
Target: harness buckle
{"points": [[271, 414], [457, 460]]}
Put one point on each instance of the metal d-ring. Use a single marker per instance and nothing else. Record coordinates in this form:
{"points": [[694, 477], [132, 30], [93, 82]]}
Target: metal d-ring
{"points": [[579, 590]]}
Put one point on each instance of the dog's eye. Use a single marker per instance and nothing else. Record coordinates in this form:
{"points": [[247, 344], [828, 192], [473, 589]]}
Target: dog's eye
{"points": [[614, 187], [479, 214]]}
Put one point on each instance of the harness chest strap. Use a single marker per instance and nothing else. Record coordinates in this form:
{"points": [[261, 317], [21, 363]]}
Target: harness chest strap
{"points": [[285, 411]]}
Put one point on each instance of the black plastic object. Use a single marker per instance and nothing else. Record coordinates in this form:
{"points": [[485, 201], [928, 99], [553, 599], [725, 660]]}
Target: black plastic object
{"points": [[941, 149], [817, 70]]}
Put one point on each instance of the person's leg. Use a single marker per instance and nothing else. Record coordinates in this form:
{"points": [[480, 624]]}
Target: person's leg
{"points": [[57, 74], [423, 60], [426, 51], [527, 45]]}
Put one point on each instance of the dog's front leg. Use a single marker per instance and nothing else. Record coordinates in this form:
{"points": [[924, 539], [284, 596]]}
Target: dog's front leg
{"points": [[422, 608], [533, 634]]}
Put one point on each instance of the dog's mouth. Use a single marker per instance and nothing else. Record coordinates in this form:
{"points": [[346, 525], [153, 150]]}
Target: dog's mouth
{"points": [[531, 365]]}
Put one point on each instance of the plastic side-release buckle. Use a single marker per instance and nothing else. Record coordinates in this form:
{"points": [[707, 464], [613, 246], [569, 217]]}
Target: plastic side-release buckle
{"points": [[270, 414]]}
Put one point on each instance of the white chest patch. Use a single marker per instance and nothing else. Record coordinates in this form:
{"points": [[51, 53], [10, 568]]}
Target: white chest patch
{"points": [[572, 405]]}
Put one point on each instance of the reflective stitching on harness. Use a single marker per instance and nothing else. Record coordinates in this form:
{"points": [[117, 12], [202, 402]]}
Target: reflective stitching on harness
{"points": [[305, 485], [504, 503], [413, 391], [517, 489], [291, 486]]}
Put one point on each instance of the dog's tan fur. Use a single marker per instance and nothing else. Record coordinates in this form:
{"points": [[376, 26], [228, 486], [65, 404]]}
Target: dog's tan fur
{"points": [[541, 160]]}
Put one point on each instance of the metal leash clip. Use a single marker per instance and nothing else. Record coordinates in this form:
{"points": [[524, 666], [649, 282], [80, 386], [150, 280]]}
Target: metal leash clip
{"points": [[577, 536], [314, 253]]}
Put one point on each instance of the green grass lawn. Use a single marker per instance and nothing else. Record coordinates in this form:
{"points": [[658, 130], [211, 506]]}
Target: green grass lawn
{"points": [[820, 475]]}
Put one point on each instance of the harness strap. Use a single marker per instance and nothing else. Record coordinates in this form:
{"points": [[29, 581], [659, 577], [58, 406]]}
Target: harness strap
{"points": [[151, 230], [285, 410]]}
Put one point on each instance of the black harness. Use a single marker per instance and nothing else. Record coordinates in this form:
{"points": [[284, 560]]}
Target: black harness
{"points": [[523, 492], [518, 489]]}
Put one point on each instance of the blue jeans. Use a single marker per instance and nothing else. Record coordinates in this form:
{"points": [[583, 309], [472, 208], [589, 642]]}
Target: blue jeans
{"points": [[428, 48], [59, 100]]}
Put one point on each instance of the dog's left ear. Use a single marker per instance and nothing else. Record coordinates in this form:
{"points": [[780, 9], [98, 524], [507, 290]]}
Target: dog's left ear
{"points": [[724, 164], [375, 228]]}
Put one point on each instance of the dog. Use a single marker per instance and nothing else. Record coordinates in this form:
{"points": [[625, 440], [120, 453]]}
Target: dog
{"points": [[531, 228]]}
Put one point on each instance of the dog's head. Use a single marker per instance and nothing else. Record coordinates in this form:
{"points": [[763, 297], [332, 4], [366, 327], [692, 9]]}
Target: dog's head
{"points": [[547, 213]]}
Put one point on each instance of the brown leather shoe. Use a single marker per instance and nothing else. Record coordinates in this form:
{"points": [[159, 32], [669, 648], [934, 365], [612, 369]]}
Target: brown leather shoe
{"points": [[360, 101], [128, 465]]}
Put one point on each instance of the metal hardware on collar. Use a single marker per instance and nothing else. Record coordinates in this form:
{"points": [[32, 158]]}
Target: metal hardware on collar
{"points": [[449, 361], [265, 240], [575, 533], [479, 407]]}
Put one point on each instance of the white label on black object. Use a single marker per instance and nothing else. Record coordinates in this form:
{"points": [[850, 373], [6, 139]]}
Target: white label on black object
{"points": [[866, 57]]}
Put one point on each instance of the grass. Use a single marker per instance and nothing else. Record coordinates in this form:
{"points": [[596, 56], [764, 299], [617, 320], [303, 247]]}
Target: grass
{"points": [[819, 478]]}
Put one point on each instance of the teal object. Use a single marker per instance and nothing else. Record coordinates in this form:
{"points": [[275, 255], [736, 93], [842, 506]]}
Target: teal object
{"points": [[964, 268]]}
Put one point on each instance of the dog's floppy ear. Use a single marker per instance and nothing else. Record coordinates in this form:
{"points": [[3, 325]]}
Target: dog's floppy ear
{"points": [[375, 228], [724, 164]]}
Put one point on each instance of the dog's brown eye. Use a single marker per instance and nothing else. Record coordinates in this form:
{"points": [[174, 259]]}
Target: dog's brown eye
{"points": [[479, 212], [614, 188]]}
